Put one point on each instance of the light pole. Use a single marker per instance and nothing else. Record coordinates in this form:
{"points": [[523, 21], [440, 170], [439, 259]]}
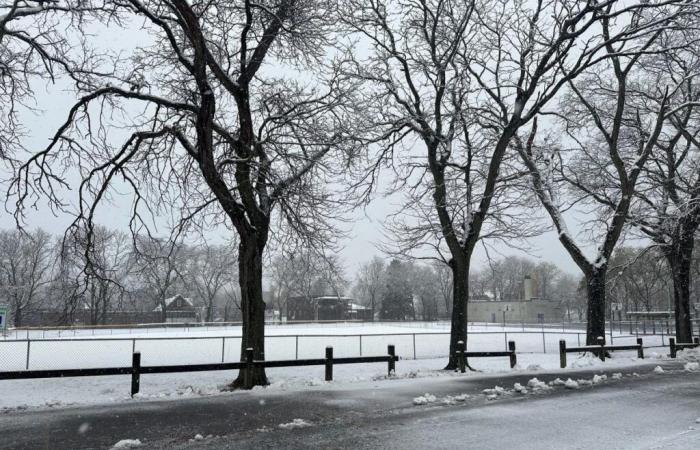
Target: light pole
{"points": [[507, 308]]}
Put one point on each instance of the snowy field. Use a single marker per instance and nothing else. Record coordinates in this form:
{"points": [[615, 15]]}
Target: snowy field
{"points": [[64, 392], [283, 342], [422, 348]]}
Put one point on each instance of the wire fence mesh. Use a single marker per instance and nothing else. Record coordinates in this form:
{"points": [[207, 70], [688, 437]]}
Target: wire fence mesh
{"points": [[209, 346]]}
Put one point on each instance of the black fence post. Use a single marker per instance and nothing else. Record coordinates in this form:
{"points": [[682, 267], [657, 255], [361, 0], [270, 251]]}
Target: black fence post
{"points": [[135, 373], [329, 363], [562, 353], [513, 357], [640, 350], [672, 344], [392, 359], [461, 348], [601, 342], [696, 340], [248, 374]]}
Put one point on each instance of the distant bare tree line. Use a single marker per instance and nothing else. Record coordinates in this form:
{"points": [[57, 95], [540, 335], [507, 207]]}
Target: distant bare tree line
{"points": [[40, 272]]}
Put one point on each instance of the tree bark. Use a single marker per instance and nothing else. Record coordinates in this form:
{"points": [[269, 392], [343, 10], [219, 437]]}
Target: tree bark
{"points": [[595, 315], [252, 309], [460, 295], [17, 316], [680, 259]]}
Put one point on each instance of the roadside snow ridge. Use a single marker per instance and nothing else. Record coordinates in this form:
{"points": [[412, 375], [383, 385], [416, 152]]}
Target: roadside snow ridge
{"points": [[127, 443], [296, 423]]}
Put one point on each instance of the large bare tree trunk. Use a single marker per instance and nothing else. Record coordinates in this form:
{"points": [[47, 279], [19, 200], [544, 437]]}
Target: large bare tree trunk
{"points": [[595, 315], [460, 296], [253, 310], [679, 259]]}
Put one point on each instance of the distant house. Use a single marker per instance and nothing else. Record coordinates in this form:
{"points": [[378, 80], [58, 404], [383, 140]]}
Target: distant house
{"points": [[179, 309], [326, 308]]}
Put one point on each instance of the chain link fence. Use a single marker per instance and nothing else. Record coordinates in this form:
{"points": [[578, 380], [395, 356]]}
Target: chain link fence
{"points": [[429, 342]]}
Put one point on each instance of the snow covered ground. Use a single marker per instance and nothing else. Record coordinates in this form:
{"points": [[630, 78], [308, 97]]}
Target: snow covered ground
{"points": [[56, 392], [215, 345], [422, 348]]}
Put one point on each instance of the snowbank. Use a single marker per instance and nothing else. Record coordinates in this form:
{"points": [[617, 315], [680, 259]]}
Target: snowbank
{"points": [[127, 443], [296, 423]]}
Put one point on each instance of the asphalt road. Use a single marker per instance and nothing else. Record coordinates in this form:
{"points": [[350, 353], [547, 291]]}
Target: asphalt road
{"points": [[645, 411]]}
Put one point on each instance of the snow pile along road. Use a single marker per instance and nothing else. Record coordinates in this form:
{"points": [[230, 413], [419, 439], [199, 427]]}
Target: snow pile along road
{"points": [[127, 443], [296, 423]]}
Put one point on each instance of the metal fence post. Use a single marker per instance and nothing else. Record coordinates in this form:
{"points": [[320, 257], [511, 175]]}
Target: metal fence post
{"points": [[329, 363], [296, 347], [662, 334], [544, 344], [461, 348], [601, 342], [135, 373], [223, 348], [360, 345], [28, 345], [414, 346]]}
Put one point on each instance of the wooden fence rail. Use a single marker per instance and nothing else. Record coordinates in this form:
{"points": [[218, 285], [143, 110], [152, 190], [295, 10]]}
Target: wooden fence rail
{"points": [[462, 355], [601, 349], [675, 346], [136, 370]]}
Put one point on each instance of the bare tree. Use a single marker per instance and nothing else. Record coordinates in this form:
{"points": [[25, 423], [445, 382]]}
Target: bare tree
{"points": [[209, 269], [425, 286], [158, 263], [104, 271], [25, 264], [444, 278], [669, 208], [281, 272], [65, 292], [612, 140], [460, 79], [639, 279], [38, 42], [546, 275], [370, 282], [222, 134]]}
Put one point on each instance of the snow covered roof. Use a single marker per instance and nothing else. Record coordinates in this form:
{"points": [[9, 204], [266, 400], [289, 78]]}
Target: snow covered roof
{"points": [[356, 307], [169, 301]]}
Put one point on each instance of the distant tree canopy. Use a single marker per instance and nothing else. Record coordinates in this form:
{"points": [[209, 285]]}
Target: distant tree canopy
{"points": [[397, 301]]}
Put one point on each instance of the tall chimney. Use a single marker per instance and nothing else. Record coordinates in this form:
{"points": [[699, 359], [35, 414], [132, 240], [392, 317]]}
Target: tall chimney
{"points": [[527, 285]]}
